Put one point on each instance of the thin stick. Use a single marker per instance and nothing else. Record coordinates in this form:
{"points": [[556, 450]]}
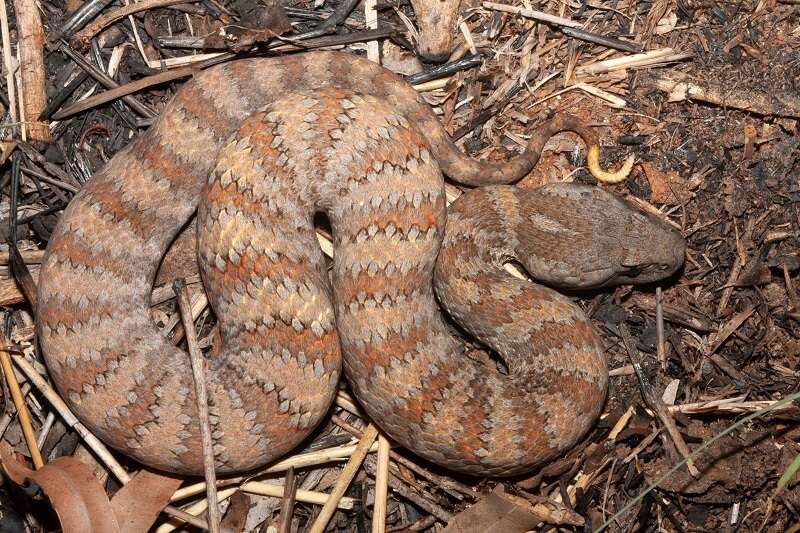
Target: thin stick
{"points": [[19, 404], [661, 349], [91, 441], [656, 404], [263, 489], [533, 14], [106, 81], [337, 453], [455, 488], [347, 475], [287, 503], [300, 495], [652, 57], [85, 35], [381, 486], [196, 359]]}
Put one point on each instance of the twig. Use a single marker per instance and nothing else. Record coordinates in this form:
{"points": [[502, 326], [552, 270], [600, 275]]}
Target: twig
{"points": [[196, 359], [381, 486], [287, 503], [661, 349], [83, 37], [305, 496], [371, 21], [262, 489], [315, 458], [533, 14], [21, 273], [348, 472], [337, 17], [122, 91], [19, 404], [730, 326], [653, 57], [602, 40], [7, 417], [44, 431], [655, 403], [735, 405], [768, 103], [455, 488], [30, 40], [106, 81], [81, 16], [443, 71]]}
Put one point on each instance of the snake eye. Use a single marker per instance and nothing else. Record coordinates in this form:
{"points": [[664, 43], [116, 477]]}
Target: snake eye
{"points": [[630, 270]]}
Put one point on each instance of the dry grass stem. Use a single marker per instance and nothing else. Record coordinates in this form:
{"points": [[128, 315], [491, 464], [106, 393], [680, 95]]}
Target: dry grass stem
{"points": [[653, 57], [533, 14], [19, 404], [381, 486], [8, 63]]}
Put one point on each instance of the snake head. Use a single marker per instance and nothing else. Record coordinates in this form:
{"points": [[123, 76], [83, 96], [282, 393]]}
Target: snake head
{"points": [[651, 249], [437, 22]]}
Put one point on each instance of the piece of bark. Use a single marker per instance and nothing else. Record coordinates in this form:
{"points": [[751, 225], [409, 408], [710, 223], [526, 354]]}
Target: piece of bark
{"points": [[31, 49]]}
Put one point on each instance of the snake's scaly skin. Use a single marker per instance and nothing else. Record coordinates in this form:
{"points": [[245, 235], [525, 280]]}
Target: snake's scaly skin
{"points": [[263, 144]]}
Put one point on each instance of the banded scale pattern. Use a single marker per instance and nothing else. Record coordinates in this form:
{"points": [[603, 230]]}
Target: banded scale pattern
{"points": [[261, 145]]}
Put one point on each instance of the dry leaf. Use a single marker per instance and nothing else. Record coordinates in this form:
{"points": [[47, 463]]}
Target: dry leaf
{"points": [[510, 514], [138, 504], [77, 497], [81, 502], [236, 516], [666, 187]]}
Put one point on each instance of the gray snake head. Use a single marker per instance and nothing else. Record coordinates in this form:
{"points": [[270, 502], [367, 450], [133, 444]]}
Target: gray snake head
{"points": [[651, 250]]}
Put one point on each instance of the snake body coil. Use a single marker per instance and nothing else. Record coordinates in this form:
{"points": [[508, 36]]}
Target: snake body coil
{"points": [[262, 145]]}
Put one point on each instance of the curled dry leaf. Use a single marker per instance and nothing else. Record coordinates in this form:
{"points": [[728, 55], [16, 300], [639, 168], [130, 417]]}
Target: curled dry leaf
{"points": [[499, 511], [81, 502], [261, 22]]}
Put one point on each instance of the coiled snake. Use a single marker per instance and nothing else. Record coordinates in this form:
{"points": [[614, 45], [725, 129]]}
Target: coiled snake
{"points": [[261, 145]]}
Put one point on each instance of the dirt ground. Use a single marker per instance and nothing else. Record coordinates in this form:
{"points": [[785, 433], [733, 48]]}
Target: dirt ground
{"points": [[711, 113]]}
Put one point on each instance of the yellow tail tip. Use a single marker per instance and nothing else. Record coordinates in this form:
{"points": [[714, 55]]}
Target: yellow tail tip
{"points": [[593, 163]]}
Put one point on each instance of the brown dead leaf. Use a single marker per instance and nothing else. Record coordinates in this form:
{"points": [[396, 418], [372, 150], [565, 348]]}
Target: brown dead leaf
{"points": [[78, 499], [666, 187], [139, 502], [236, 516], [754, 273], [261, 21], [499, 511], [81, 502]]}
